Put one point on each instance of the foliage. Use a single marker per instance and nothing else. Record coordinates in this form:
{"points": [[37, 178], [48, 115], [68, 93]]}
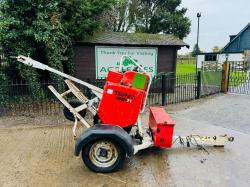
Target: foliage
{"points": [[3, 90], [45, 30], [196, 50], [216, 49], [122, 16], [149, 16]]}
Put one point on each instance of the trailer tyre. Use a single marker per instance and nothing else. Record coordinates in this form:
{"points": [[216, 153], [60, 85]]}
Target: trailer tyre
{"points": [[103, 155], [68, 115]]}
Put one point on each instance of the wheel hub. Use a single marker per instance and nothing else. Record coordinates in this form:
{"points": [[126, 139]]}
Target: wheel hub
{"points": [[103, 154]]}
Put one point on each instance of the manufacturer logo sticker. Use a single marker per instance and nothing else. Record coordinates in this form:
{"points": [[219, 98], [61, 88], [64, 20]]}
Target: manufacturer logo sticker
{"points": [[109, 91]]}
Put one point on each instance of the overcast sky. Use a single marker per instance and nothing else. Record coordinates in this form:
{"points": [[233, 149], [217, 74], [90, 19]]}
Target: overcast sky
{"points": [[219, 19]]}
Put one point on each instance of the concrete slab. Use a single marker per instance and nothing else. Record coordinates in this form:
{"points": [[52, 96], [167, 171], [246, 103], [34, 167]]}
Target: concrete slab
{"points": [[44, 156]]}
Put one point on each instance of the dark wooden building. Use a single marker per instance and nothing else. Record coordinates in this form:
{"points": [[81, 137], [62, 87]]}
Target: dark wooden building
{"points": [[86, 57]]}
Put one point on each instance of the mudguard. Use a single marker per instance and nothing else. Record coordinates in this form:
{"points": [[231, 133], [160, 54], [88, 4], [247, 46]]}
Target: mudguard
{"points": [[105, 131]]}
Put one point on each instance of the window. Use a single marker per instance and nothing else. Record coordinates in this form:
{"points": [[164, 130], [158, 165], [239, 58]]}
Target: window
{"points": [[210, 57]]}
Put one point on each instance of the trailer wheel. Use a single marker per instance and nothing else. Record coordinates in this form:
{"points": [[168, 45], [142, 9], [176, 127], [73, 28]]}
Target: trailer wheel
{"points": [[74, 103], [103, 155]]}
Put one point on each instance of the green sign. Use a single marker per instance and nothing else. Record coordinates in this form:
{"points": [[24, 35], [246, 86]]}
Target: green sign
{"points": [[107, 58]]}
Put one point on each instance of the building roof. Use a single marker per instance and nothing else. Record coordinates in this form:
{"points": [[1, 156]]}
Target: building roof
{"points": [[123, 38], [219, 52], [237, 37]]}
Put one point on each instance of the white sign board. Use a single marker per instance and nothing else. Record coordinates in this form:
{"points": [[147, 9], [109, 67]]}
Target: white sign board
{"points": [[107, 58]]}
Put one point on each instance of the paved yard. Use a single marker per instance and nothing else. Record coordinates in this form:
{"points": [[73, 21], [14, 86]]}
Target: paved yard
{"points": [[44, 156]]}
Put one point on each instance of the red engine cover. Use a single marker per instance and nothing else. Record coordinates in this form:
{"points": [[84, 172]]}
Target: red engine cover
{"points": [[120, 104]]}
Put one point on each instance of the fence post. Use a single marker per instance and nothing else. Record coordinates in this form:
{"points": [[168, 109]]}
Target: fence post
{"points": [[225, 75], [163, 90], [198, 88]]}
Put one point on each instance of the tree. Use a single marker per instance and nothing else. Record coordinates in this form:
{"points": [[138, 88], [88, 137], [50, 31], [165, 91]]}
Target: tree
{"points": [[216, 49], [165, 16], [121, 18], [196, 50], [45, 30], [150, 16]]}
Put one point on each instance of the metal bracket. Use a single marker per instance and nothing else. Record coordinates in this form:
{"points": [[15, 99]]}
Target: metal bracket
{"points": [[73, 110], [199, 140], [147, 140]]}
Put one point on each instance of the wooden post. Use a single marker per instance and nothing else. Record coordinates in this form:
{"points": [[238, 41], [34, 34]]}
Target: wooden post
{"points": [[246, 60], [225, 76]]}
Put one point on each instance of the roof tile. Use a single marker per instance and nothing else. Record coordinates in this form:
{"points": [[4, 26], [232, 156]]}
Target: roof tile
{"points": [[123, 38]]}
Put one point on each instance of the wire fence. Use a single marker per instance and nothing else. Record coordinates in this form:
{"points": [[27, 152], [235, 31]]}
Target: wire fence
{"points": [[171, 89], [239, 78], [18, 98]]}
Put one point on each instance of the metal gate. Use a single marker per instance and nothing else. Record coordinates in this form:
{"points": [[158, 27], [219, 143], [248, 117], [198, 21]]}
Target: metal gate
{"points": [[239, 79]]}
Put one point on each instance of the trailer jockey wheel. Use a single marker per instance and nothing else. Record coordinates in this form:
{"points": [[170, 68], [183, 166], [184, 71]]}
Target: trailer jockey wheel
{"points": [[74, 103], [103, 155]]}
